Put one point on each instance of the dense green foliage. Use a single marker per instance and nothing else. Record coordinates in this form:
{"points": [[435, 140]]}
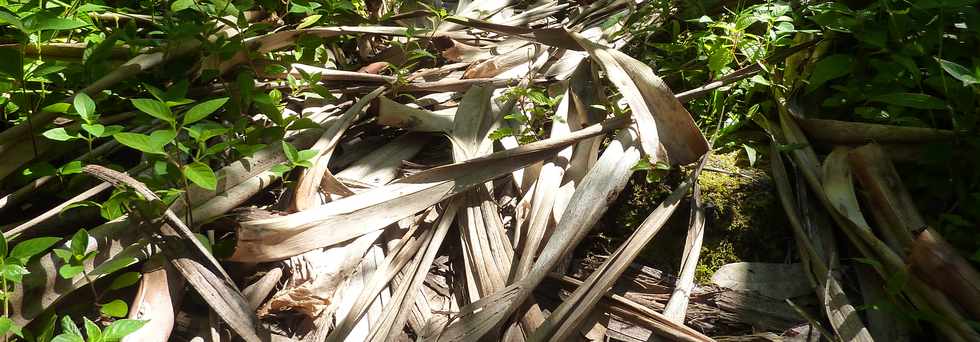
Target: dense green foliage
{"points": [[899, 62]]}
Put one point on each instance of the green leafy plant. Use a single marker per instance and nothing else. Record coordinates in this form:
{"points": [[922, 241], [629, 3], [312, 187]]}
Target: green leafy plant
{"points": [[90, 128], [74, 259], [534, 110], [113, 333], [655, 171], [163, 146], [295, 158], [13, 270]]}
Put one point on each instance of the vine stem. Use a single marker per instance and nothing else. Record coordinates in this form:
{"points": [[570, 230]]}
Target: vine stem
{"points": [[6, 302], [91, 286], [187, 193]]}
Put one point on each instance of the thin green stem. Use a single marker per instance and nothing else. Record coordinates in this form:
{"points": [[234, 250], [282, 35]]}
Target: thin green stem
{"points": [[6, 302], [91, 285], [187, 194]]}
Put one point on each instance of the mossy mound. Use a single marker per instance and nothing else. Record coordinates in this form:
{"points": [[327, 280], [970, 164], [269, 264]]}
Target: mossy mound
{"points": [[745, 221]]}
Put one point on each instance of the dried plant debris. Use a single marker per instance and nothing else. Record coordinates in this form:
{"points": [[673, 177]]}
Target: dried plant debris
{"points": [[427, 171]]}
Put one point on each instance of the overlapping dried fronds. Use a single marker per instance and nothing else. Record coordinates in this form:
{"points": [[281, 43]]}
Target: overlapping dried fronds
{"points": [[434, 202]]}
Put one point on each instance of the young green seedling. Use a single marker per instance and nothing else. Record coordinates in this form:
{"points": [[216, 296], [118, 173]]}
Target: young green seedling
{"points": [[12, 271], [113, 333], [90, 129], [295, 159]]}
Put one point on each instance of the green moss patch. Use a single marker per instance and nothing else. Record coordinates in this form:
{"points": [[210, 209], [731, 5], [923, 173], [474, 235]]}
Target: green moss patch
{"points": [[745, 221]]}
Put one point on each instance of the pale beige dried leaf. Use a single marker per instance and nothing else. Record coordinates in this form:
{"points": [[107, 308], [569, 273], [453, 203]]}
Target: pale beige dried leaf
{"points": [[157, 300], [395, 114], [308, 186], [564, 320], [597, 192], [349, 217]]}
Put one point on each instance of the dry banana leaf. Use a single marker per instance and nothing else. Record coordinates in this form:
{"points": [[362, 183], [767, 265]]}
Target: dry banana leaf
{"points": [[846, 132], [158, 299], [843, 318], [597, 191], [350, 217], [564, 320], [677, 305], [197, 265]]}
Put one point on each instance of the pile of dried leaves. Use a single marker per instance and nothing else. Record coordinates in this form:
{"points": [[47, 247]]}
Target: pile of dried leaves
{"points": [[391, 232]]}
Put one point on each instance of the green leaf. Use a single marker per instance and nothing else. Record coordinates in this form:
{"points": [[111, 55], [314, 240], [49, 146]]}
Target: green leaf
{"points": [[68, 338], [12, 20], [114, 265], [829, 68], [302, 123], [116, 308], [25, 250], [720, 58], [3, 247], [59, 134], [305, 155], [56, 108], [89, 255], [96, 130], [120, 328], [959, 72], [63, 254], [201, 174], [92, 331], [290, 151], [161, 138], [13, 272], [141, 142], [47, 328], [280, 169], [80, 204], [111, 130], [642, 164], [7, 325], [538, 97], [160, 167], [70, 271], [309, 21], [500, 133], [85, 107], [155, 109], [156, 92], [203, 109], [911, 100], [125, 280], [68, 326], [203, 132], [275, 69], [79, 242], [181, 5], [57, 23], [71, 168]]}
